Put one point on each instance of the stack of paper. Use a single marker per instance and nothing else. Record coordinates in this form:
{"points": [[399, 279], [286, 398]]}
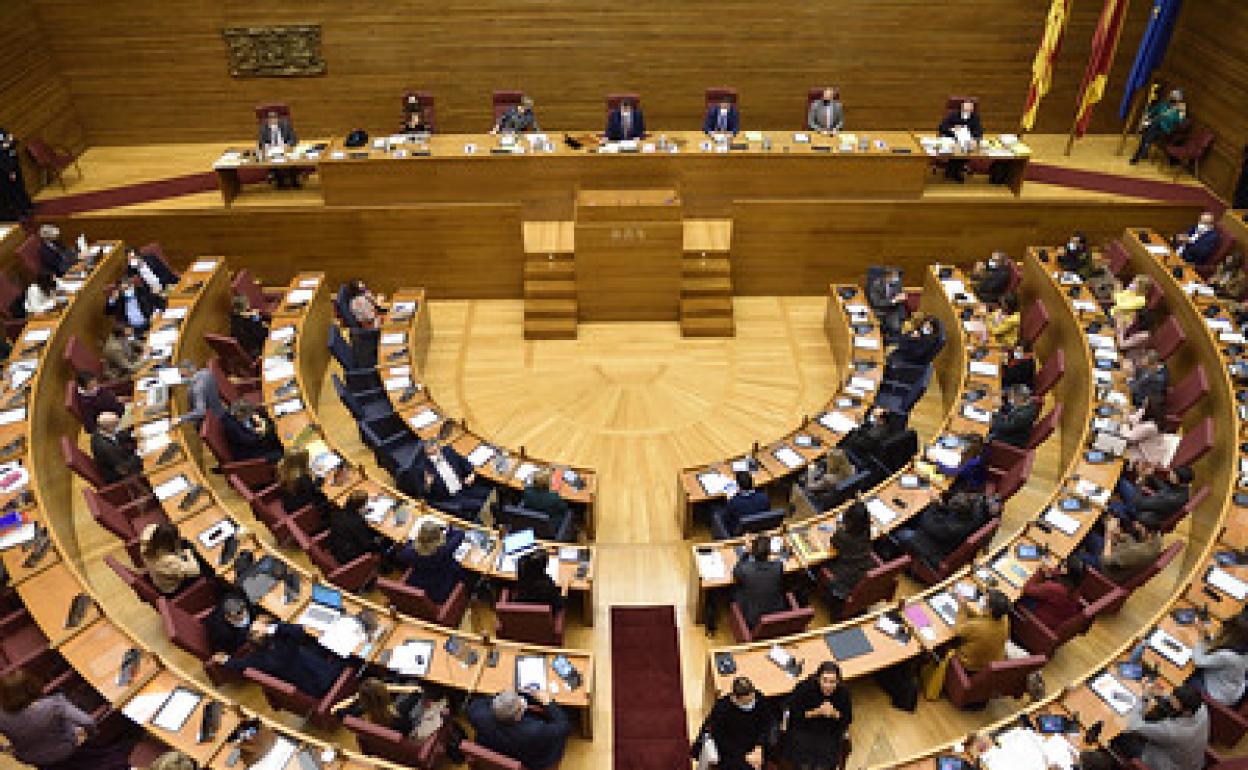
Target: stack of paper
{"points": [[881, 511], [1110, 690], [837, 422], [412, 658], [711, 564], [788, 457], [423, 419]]}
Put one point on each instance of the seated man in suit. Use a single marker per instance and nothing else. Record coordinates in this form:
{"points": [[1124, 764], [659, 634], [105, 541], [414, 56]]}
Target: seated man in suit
{"points": [[964, 126], [247, 326], [1164, 494], [277, 137], [287, 652], [1162, 118], [538, 496], [743, 502], [229, 625], [54, 257], [877, 428], [250, 433], [1019, 367], [1012, 423], [826, 115], [626, 121], [440, 475], [114, 450], [415, 121], [1151, 381], [722, 119], [528, 727], [992, 277], [1198, 245], [920, 342], [130, 302], [887, 297], [517, 119], [945, 523], [759, 582]]}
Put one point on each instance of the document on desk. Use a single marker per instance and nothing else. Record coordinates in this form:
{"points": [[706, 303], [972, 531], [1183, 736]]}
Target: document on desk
{"points": [[377, 508], [155, 428], [282, 333], [881, 511], [976, 414], [1114, 693], [163, 339], [525, 471], [867, 343], [1101, 341], [1220, 324], [855, 308], [944, 605], [983, 368], [393, 338], [530, 672], [1157, 249], [398, 383], [714, 482], [174, 713], [949, 458], [12, 415], [290, 406], [837, 422], [423, 419], [17, 536], [711, 564], [297, 297], [402, 309], [1170, 648], [1086, 489], [953, 286], [788, 457], [1064, 522], [150, 446], [344, 636], [1227, 584], [37, 335], [481, 454], [1084, 306], [412, 658], [277, 757], [141, 708], [278, 369], [171, 488], [169, 375], [204, 266]]}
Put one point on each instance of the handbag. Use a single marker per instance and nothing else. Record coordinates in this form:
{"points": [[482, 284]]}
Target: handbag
{"points": [[933, 677]]}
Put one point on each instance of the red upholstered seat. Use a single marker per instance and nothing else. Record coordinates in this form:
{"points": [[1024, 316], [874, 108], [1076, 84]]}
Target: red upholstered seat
{"points": [[1185, 394], [283, 696], [1039, 639], [415, 602], [791, 621], [1194, 444], [383, 742], [1035, 321], [717, 94], [427, 103], [879, 584], [960, 557], [51, 161], [257, 298], [481, 758], [1167, 337], [1045, 426], [505, 100], [1050, 373], [1096, 585], [532, 623], [1002, 678]]}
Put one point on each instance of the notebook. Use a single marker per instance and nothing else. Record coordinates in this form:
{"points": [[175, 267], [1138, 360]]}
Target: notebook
{"points": [[848, 644]]}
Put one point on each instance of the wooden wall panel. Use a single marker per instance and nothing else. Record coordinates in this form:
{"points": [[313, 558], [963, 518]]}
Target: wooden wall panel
{"points": [[152, 72], [34, 99], [1208, 59], [455, 250], [798, 248], [475, 251]]}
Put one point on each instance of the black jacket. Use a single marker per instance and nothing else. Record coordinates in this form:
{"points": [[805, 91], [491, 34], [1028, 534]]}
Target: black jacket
{"points": [[250, 332], [537, 740], [854, 559], [222, 635], [293, 656], [738, 732], [1148, 383], [993, 283], [246, 444], [115, 456], [428, 482], [306, 491], [941, 528], [55, 257], [350, 537], [148, 304], [954, 119], [435, 574], [743, 504], [1165, 501], [1012, 424], [759, 588]]}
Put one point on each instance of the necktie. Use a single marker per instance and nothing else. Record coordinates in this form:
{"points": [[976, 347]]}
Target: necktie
{"points": [[723, 120], [828, 116], [625, 125]]}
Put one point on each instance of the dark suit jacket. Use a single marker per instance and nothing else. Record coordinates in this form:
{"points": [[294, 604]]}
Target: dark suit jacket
{"points": [[954, 118], [223, 636], [435, 574], [249, 332], [1150, 382], [115, 457], [148, 303], [548, 502], [264, 137], [760, 588], [993, 284], [247, 444], [637, 129], [941, 529], [918, 349], [743, 504], [306, 492], [881, 293], [293, 656], [1199, 250], [1019, 371], [1012, 425], [350, 537], [55, 257], [1165, 501], [537, 740], [95, 404], [710, 124], [437, 491]]}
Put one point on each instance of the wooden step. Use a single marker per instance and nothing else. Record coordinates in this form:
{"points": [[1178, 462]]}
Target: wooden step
{"points": [[712, 326], [550, 328], [695, 266], [546, 237], [702, 286], [549, 268], [705, 307], [549, 308], [707, 234], [550, 288]]}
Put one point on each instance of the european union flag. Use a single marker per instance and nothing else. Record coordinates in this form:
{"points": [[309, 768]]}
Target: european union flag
{"points": [[1152, 50]]}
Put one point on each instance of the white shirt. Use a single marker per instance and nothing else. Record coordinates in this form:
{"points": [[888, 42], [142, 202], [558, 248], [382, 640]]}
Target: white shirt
{"points": [[39, 301], [148, 277], [447, 473]]}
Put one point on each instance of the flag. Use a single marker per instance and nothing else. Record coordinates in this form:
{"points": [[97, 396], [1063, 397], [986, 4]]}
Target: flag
{"points": [[1046, 54], [1152, 50], [1104, 45]]}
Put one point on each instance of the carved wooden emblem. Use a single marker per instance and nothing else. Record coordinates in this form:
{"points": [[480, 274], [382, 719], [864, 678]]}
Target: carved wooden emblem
{"points": [[293, 50]]}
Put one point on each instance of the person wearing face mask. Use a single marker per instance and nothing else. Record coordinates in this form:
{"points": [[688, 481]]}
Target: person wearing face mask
{"points": [[122, 353], [738, 730], [1019, 368], [919, 344], [15, 203], [992, 278], [626, 121], [963, 125], [722, 119], [1198, 245], [1161, 119], [826, 114], [55, 257], [817, 715], [132, 303], [1074, 257]]}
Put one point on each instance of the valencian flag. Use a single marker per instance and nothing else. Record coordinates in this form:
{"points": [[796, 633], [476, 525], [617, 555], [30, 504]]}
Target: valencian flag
{"points": [[1046, 54], [1152, 50], [1104, 44]]}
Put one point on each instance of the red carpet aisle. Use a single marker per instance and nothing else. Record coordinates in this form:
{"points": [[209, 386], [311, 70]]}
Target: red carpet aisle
{"points": [[1122, 185], [137, 193], [646, 699]]}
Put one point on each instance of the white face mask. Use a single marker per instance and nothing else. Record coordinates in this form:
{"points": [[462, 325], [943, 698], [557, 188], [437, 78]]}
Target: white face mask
{"points": [[129, 292], [748, 706], [966, 116], [1072, 246]]}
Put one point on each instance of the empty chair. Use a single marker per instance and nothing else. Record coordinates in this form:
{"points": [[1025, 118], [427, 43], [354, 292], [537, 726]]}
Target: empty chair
{"points": [[1002, 678], [1227, 724], [284, 696], [1167, 337], [754, 522], [1050, 373], [1191, 149], [1039, 639], [137, 581], [392, 441], [366, 405], [545, 526], [1035, 321], [10, 295], [531, 623], [481, 758], [1045, 426], [1006, 461], [51, 161], [903, 386], [879, 584], [266, 504], [413, 601], [235, 390], [154, 255], [1185, 394], [234, 360], [1194, 444], [378, 741], [21, 641], [1116, 257], [504, 100], [257, 298], [344, 353], [958, 558], [352, 576], [28, 256], [790, 621]]}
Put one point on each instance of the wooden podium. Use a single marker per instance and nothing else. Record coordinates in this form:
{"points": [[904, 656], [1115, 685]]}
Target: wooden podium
{"points": [[628, 255]]}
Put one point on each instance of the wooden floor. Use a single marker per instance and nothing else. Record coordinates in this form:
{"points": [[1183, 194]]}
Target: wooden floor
{"points": [[636, 401], [107, 167]]}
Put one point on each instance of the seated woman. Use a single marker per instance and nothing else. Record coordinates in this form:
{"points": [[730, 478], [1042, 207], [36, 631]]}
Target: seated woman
{"points": [[430, 559], [365, 308], [41, 294], [297, 487], [1133, 298], [824, 477], [920, 341], [1147, 446], [1222, 662], [971, 475], [168, 560], [1052, 595], [1004, 322], [534, 584], [983, 631], [247, 326], [852, 543], [1133, 332], [50, 733], [410, 714], [350, 536], [250, 433], [816, 719]]}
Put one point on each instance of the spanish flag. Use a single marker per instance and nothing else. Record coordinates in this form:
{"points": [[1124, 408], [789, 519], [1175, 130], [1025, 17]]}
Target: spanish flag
{"points": [[1104, 45], [1046, 54]]}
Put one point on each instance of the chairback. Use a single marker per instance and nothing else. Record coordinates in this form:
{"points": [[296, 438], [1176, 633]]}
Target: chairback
{"points": [[1044, 428], [184, 629], [1050, 373], [1035, 321], [1167, 337], [80, 356], [138, 582], [717, 94], [1194, 444], [80, 462]]}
